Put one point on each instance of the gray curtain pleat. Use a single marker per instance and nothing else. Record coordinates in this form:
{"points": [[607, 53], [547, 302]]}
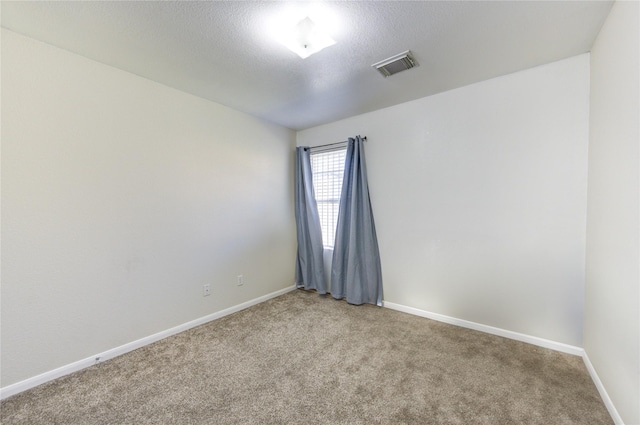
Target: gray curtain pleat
{"points": [[309, 264], [356, 272]]}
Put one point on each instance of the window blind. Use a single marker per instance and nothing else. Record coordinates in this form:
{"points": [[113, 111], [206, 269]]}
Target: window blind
{"points": [[328, 171]]}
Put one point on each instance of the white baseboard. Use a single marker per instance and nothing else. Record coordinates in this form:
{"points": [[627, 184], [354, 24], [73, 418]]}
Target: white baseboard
{"points": [[558, 346], [603, 393], [541, 342], [18, 387], [114, 352]]}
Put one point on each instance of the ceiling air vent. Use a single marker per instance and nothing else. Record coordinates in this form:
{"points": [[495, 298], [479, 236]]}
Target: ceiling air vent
{"points": [[396, 63]]}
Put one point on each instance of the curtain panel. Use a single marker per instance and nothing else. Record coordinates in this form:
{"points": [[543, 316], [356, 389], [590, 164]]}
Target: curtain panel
{"points": [[356, 272], [309, 263]]}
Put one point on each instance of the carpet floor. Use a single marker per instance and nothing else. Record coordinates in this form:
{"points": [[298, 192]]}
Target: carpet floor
{"points": [[302, 358]]}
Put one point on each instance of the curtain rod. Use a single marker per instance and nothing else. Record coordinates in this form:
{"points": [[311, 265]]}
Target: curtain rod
{"points": [[333, 144]]}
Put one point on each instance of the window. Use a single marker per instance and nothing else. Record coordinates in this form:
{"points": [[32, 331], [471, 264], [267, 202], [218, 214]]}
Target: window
{"points": [[328, 170]]}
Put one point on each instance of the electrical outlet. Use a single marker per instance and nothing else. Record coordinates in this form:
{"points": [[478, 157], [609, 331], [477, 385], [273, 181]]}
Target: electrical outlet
{"points": [[206, 290], [240, 280]]}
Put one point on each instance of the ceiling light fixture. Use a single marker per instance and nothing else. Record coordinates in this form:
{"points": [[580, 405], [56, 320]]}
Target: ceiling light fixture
{"points": [[306, 38]]}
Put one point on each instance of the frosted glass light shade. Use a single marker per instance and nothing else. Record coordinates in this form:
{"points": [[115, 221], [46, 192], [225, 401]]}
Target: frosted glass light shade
{"points": [[306, 38]]}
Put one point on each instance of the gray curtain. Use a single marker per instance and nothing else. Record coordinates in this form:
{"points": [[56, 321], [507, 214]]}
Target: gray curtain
{"points": [[356, 272], [309, 264]]}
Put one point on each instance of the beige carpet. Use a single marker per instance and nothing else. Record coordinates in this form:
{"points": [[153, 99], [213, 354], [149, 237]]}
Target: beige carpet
{"points": [[306, 359]]}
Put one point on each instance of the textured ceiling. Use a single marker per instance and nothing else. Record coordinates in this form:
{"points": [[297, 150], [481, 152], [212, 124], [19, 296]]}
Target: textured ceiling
{"points": [[222, 51]]}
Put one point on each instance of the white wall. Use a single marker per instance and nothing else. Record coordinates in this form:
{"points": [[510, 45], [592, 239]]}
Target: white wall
{"points": [[479, 196], [612, 313], [120, 199]]}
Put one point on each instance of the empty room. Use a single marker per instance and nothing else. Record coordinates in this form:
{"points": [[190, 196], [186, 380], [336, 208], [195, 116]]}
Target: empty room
{"points": [[341, 212]]}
